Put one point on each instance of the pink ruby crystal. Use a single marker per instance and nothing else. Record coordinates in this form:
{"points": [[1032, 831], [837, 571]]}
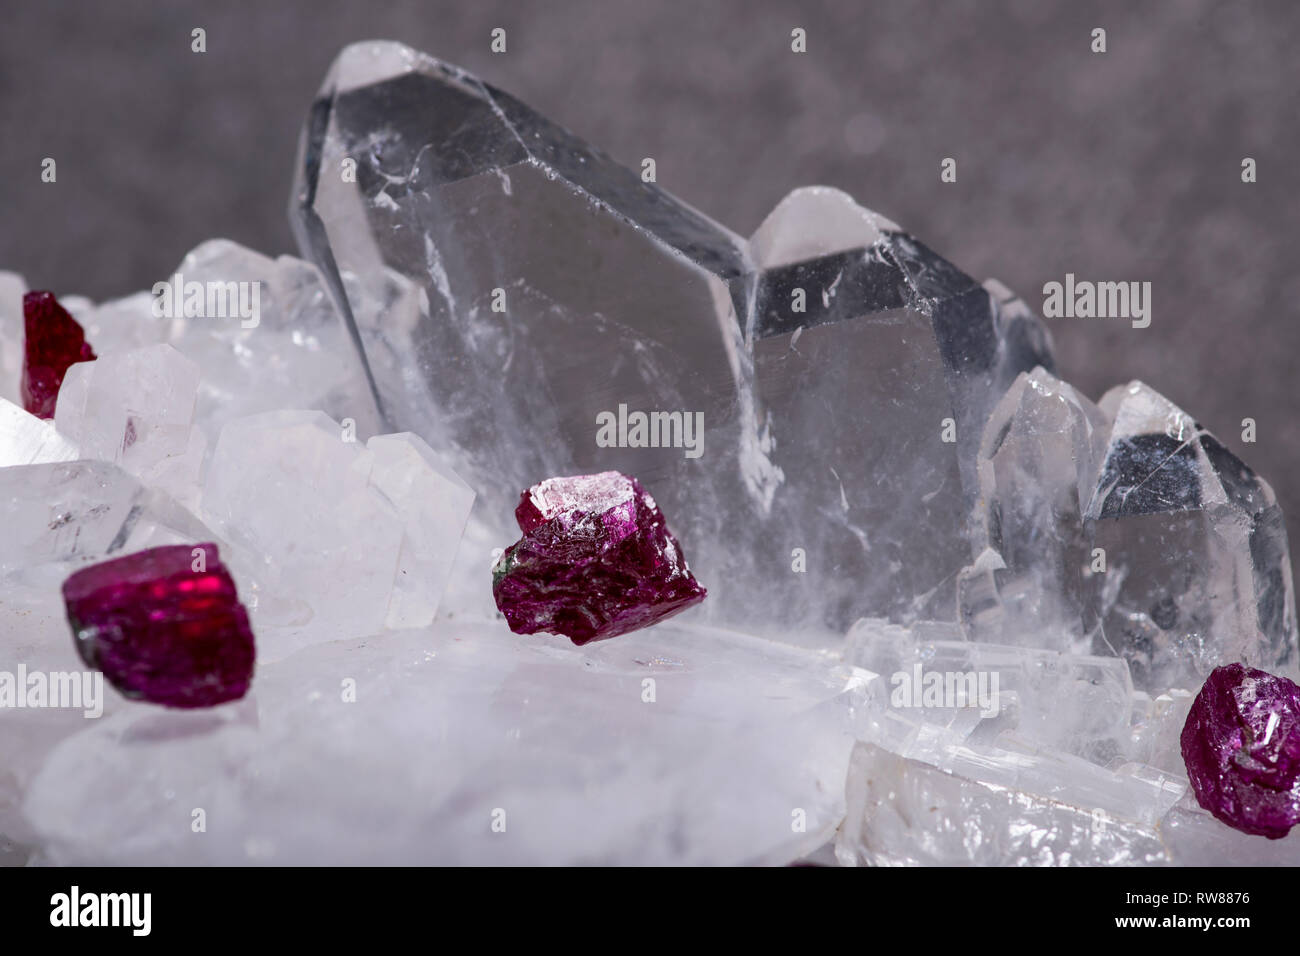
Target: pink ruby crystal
{"points": [[164, 625], [1241, 744], [54, 341], [596, 560]]}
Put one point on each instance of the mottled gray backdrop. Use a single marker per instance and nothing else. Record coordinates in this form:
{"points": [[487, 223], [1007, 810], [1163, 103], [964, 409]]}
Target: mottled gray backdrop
{"points": [[1124, 165]]}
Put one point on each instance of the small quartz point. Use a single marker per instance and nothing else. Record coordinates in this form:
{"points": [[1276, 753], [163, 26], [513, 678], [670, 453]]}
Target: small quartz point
{"points": [[1036, 467], [164, 625], [1125, 529], [512, 287], [53, 342], [1242, 748], [1198, 543], [596, 560]]}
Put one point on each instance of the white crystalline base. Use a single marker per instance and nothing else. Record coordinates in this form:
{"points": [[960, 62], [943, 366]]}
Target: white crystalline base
{"points": [[467, 744], [740, 757]]}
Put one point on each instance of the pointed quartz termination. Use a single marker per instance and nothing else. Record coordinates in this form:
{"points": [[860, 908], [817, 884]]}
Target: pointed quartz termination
{"points": [[509, 286], [1126, 530], [867, 348], [1198, 545], [1037, 464]]}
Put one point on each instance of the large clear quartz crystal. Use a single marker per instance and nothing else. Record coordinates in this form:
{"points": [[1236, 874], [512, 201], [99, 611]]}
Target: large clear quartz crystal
{"points": [[510, 285]]}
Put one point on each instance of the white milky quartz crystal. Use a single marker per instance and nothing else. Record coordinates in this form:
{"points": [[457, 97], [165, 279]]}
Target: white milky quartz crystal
{"points": [[433, 505], [339, 538], [468, 745], [298, 354], [28, 440], [994, 599], [293, 351], [76, 512], [135, 409]]}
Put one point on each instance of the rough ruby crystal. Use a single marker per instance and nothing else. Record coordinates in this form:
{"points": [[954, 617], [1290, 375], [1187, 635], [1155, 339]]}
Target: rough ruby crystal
{"points": [[596, 560], [1241, 744], [164, 625], [54, 340]]}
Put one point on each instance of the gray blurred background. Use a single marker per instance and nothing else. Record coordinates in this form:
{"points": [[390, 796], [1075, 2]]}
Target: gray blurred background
{"points": [[1122, 166]]}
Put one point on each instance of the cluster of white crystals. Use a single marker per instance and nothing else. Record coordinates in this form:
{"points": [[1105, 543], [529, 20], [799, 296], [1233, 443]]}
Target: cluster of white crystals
{"points": [[957, 611]]}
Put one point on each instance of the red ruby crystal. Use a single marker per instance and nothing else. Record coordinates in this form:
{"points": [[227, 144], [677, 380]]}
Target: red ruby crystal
{"points": [[596, 561], [164, 625], [54, 340], [1241, 745]]}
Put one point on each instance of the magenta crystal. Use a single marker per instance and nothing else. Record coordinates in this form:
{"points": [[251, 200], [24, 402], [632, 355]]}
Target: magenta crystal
{"points": [[164, 625], [53, 341], [1241, 744], [596, 560]]}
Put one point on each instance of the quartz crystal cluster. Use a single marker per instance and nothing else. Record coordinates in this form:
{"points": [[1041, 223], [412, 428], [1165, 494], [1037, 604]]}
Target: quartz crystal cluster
{"points": [[958, 613]]}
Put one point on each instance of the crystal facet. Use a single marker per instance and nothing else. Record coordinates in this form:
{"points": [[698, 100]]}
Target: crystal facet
{"points": [[54, 341], [164, 625], [1242, 747], [596, 560]]}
